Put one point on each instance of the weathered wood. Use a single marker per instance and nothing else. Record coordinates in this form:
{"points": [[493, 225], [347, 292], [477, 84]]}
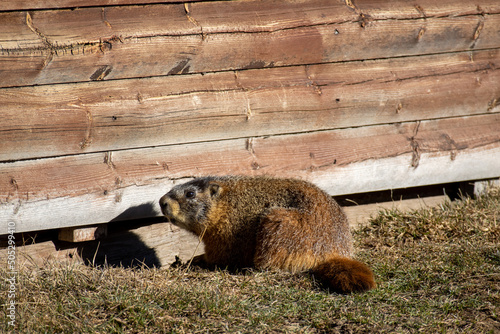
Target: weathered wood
{"points": [[360, 215], [392, 172], [29, 4], [39, 254], [95, 43], [101, 187], [100, 116], [79, 234], [150, 243], [154, 245], [480, 187], [424, 7], [94, 25], [132, 202]]}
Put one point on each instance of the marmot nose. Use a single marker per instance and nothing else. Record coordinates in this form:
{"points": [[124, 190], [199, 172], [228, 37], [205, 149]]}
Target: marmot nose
{"points": [[164, 203]]}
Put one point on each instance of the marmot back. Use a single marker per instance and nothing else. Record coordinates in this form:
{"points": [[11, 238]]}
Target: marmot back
{"points": [[269, 223]]}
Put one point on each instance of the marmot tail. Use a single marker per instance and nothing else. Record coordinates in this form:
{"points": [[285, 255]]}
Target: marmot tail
{"points": [[344, 275]]}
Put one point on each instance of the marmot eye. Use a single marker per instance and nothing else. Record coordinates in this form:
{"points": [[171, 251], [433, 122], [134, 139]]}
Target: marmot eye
{"points": [[190, 194]]}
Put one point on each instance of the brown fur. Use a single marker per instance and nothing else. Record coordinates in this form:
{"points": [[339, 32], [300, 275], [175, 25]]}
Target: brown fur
{"points": [[269, 223]]}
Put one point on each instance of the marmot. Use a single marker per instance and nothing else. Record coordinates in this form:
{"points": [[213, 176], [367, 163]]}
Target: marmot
{"points": [[269, 223]]}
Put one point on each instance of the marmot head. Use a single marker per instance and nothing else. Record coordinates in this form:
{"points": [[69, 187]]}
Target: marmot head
{"points": [[186, 205]]}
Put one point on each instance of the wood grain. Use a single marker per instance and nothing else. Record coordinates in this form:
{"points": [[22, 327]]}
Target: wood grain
{"points": [[212, 17], [88, 44], [424, 7], [31, 5], [130, 245], [127, 184], [100, 116]]}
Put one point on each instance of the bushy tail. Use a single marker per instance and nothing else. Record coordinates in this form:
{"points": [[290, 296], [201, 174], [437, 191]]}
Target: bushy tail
{"points": [[344, 275]]}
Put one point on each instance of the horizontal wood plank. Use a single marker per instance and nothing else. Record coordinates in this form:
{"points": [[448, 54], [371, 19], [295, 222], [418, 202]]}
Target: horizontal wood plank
{"points": [[84, 210], [86, 189], [425, 7], [127, 42], [93, 25], [154, 244], [59, 4], [80, 234], [100, 116], [360, 215]]}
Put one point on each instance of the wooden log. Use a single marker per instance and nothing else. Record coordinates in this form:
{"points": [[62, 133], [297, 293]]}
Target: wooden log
{"points": [[100, 116], [39, 254], [151, 244], [79, 234], [360, 215], [100, 44], [424, 7], [154, 245], [92, 188], [94, 25]]}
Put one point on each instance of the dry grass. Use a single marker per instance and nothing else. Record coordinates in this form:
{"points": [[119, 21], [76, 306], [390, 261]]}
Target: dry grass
{"points": [[438, 271]]}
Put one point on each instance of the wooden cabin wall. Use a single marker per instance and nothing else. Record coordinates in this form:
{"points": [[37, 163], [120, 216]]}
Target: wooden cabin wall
{"points": [[105, 105]]}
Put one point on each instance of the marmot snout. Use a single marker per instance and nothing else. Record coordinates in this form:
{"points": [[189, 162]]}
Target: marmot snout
{"points": [[269, 223], [185, 205]]}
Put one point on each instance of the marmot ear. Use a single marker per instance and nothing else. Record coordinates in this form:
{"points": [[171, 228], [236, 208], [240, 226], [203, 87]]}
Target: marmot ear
{"points": [[214, 189]]}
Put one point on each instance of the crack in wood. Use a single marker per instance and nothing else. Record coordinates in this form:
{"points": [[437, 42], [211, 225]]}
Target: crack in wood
{"points": [[312, 83], [194, 92], [481, 68], [421, 33], [421, 11], [54, 49], [350, 4], [249, 145], [191, 19], [14, 184], [415, 147], [399, 107], [493, 104], [87, 140], [108, 159], [237, 80], [477, 32], [248, 111], [104, 19], [73, 48], [46, 42], [188, 15], [139, 99]]}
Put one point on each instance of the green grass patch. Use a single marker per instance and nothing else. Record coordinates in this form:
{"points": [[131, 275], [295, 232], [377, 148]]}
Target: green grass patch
{"points": [[438, 271]]}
